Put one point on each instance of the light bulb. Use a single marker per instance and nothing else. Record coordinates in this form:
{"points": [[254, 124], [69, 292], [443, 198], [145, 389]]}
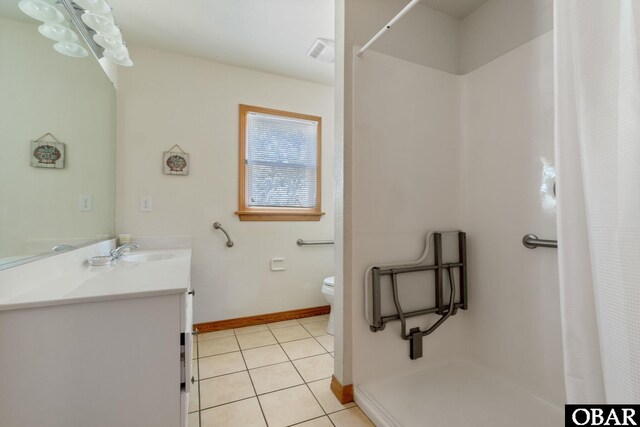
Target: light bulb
{"points": [[101, 23], [119, 56], [41, 10], [109, 42], [71, 49], [58, 32], [95, 6]]}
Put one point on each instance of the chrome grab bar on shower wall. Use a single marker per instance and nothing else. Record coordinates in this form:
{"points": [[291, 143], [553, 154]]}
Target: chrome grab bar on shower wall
{"points": [[218, 226], [301, 242], [531, 241]]}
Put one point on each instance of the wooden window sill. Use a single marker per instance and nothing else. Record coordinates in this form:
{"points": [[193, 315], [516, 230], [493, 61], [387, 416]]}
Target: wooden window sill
{"points": [[266, 215]]}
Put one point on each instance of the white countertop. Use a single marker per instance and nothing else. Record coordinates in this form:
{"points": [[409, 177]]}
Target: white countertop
{"points": [[123, 279]]}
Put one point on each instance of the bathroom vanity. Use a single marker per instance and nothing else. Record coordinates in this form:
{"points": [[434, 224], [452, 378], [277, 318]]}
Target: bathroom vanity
{"points": [[98, 343]]}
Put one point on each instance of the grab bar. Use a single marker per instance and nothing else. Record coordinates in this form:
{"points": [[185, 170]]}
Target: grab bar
{"points": [[301, 242], [218, 226], [62, 248], [531, 241]]}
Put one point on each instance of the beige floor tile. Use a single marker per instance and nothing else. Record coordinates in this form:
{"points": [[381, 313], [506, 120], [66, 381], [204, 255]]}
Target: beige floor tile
{"points": [[225, 389], [291, 333], [193, 420], [314, 319], [250, 329], [302, 348], [194, 368], [194, 351], [315, 368], [322, 390], [217, 334], [290, 406], [284, 324], [275, 377], [263, 356], [245, 413], [316, 329], [227, 363], [217, 346], [326, 341], [353, 417], [318, 422], [193, 398], [257, 339]]}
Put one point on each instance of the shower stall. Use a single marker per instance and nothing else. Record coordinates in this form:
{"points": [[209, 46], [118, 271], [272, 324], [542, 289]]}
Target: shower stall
{"points": [[452, 122]]}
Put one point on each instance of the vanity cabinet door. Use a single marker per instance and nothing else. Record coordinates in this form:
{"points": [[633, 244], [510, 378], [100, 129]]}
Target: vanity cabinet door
{"points": [[108, 363], [186, 341]]}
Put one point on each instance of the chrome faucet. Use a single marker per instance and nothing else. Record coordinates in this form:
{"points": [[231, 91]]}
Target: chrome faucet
{"points": [[117, 253]]}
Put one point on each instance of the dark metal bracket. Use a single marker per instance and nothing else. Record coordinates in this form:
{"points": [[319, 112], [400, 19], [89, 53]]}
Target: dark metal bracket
{"points": [[414, 336]]}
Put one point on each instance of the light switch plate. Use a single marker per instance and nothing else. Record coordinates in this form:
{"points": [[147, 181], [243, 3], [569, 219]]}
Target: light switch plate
{"points": [[146, 204], [85, 202]]}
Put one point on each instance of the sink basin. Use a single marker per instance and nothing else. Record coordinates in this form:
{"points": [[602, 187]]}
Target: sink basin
{"points": [[148, 256]]}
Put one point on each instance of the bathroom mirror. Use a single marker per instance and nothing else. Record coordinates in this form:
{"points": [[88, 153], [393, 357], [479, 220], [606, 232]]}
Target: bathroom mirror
{"points": [[53, 197]]}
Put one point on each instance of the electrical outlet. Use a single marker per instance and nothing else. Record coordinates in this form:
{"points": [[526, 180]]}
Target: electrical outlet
{"points": [[146, 204], [85, 203], [278, 264]]}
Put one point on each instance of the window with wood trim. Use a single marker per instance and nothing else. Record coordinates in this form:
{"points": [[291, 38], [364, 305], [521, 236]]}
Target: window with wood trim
{"points": [[280, 165]]}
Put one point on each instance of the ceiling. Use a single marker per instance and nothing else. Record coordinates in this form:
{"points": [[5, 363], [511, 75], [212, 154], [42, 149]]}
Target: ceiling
{"points": [[456, 8], [9, 9], [266, 35], [271, 36]]}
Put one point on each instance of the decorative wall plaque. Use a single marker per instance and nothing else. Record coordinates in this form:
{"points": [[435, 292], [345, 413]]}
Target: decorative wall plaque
{"points": [[176, 162], [47, 154]]}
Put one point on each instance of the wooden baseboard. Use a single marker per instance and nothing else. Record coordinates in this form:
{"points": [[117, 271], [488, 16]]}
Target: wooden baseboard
{"points": [[241, 322], [343, 393]]}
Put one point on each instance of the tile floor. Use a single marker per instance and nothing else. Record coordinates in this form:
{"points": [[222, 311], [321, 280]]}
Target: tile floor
{"points": [[275, 375]]}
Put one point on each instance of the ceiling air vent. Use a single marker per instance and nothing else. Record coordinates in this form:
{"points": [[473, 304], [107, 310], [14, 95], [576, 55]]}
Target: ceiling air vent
{"points": [[322, 50]]}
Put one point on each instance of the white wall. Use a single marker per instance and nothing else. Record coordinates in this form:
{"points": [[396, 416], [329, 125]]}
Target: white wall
{"points": [[341, 318], [513, 291], [499, 26], [43, 91], [169, 99]]}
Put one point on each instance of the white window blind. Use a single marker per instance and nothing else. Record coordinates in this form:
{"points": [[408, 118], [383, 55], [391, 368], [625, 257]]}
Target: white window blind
{"points": [[281, 161]]}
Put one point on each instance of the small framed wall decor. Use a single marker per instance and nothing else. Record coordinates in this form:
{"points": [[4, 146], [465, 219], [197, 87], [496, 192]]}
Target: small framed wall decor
{"points": [[47, 154], [175, 161]]}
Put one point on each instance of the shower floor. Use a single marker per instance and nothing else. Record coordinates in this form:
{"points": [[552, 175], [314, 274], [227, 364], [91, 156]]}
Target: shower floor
{"points": [[455, 394]]}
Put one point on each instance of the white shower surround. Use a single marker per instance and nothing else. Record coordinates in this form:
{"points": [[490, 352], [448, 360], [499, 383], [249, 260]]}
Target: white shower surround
{"points": [[407, 180], [468, 148]]}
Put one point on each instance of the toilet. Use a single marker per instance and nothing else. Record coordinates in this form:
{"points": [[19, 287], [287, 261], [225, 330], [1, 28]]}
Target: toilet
{"points": [[327, 291]]}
